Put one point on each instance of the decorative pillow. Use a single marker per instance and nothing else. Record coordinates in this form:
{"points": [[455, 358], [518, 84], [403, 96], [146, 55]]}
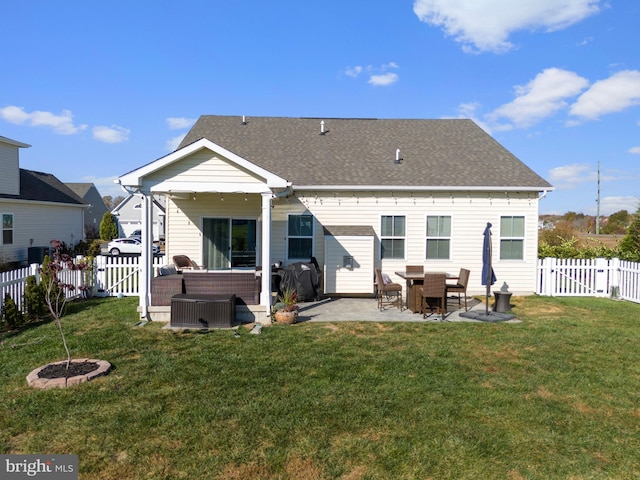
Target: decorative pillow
{"points": [[386, 279]]}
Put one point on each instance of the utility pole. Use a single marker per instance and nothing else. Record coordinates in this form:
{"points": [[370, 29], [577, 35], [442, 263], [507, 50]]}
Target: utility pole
{"points": [[598, 203]]}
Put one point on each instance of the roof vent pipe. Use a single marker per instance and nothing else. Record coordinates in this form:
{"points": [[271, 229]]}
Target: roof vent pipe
{"points": [[398, 158], [322, 132], [244, 122]]}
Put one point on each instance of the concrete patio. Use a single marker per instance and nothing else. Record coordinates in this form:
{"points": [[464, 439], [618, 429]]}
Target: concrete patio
{"points": [[366, 309]]}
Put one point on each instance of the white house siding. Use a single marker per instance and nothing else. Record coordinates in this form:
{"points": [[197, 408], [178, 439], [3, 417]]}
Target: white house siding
{"points": [[37, 224], [469, 213], [203, 165], [355, 280], [184, 219], [10, 168]]}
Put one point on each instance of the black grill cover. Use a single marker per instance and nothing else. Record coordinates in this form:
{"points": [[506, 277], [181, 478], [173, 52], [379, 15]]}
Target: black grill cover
{"points": [[303, 277]]}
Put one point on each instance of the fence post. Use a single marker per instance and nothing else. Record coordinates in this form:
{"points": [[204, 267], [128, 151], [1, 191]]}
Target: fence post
{"points": [[602, 275], [34, 270], [548, 264], [100, 276], [614, 277]]}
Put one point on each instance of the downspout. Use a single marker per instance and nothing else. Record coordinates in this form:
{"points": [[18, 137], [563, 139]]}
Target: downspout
{"points": [[283, 193]]}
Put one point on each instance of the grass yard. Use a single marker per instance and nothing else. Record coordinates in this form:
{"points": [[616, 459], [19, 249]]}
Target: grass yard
{"points": [[556, 396]]}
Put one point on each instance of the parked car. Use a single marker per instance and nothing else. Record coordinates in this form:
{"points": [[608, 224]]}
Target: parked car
{"points": [[128, 246], [136, 234]]}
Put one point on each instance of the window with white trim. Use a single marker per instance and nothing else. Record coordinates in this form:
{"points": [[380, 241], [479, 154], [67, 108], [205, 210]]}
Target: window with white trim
{"points": [[300, 236], [438, 237], [393, 236], [7, 229], [512, 238]]}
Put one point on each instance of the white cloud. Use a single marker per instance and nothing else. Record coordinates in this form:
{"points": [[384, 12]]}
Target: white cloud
{"points": [[468, 110], [635, 150], [568, 177], [485, 25], [172, 144], [378, 76], [609, 205], [585, 41], [62, 124], [541, 97], [614, 94], [176, 123], [383, 80], [353, 72], [112, 134]]}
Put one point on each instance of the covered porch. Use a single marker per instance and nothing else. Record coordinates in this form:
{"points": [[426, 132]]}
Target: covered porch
{"points": [[218, 212]]}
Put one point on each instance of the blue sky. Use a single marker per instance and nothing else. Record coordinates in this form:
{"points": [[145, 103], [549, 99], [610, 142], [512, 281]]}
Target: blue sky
{"points": [[100, 88]]}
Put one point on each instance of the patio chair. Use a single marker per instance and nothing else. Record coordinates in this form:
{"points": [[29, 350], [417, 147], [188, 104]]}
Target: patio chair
{"points": [[389, 293], [182, 262], [434, 294], [460, 287], [414, 269]]}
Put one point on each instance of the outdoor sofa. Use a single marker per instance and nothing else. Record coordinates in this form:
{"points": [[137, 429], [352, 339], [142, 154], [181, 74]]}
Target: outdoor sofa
{"points": [[245, 285]]}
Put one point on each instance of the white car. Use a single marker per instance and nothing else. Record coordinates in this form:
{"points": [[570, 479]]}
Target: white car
{"points": [[128, 246]]}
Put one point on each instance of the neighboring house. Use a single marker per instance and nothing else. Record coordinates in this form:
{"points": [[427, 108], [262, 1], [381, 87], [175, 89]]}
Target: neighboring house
{"points": [[129, 215], [35, 208], [95, 204], [356, 194]]}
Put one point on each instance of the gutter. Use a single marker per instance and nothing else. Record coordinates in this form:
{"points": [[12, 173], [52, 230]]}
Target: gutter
{"points": [[421, 188], [285, 193]]}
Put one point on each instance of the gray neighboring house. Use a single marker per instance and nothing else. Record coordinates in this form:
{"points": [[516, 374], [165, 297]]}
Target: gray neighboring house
{"points": [[129, 215], [96, 207], [35, 208]]}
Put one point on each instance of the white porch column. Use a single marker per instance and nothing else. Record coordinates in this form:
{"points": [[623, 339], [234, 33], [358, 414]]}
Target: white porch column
{"points": [[265, 294], [146, 259]]}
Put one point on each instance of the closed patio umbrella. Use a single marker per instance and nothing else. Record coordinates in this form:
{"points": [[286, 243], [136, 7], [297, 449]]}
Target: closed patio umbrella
{"points": [[488, 275], [488, 279]]}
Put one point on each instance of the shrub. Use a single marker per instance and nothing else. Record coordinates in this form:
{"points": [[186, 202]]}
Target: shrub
{"points": [[91, 248], [11, 317], [34, 304], [571, 249], [630, 244]]}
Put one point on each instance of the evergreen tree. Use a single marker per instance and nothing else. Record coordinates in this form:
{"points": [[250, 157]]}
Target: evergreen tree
{"points": [[108, 227]]}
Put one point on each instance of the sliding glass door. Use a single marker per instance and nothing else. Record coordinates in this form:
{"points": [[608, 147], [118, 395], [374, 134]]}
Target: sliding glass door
{"points": [[229, 243]]}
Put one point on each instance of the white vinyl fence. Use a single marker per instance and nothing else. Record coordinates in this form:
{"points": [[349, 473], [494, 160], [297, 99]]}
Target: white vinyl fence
{"points": [[119, 275], [113, 276], [598, 277]]}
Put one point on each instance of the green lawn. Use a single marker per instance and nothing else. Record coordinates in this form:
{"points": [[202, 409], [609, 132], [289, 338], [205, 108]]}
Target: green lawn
{"points": [[556, 396]]}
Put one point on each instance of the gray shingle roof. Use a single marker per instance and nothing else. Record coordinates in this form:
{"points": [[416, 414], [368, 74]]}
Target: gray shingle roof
{"points": [[361, 152], [80, 189], [43, 187]]}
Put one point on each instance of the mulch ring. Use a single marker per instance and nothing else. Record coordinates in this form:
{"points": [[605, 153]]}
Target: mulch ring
{"points": [[58, 375]]}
